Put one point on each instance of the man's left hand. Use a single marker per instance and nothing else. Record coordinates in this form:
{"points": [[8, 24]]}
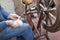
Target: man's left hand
{"points": [[14, 16]]}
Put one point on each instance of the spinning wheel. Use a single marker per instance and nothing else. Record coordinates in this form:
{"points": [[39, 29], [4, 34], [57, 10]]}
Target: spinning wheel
{"points": [[48, 14]]}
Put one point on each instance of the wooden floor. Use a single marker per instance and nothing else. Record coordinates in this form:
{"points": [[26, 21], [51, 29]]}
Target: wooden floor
{"points": [[54, 36]]}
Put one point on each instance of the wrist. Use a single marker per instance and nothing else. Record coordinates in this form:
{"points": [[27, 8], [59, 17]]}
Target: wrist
{"points": [[7, 22]]}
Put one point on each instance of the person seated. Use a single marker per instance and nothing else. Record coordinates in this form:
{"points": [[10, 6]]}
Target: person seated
{"points": [[8, 29]]}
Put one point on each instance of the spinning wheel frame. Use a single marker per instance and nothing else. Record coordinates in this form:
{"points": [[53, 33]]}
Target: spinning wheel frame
{"points": [[43, 10]]}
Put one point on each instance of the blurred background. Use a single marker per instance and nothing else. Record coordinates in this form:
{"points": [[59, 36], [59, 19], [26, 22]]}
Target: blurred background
{"points": [[12, 6]]}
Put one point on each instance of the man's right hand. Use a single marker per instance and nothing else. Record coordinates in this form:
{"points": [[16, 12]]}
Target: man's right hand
{"points": [[10, 23]]}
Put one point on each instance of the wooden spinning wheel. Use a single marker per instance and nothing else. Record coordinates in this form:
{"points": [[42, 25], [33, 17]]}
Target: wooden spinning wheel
{"points": [[48, 15]]}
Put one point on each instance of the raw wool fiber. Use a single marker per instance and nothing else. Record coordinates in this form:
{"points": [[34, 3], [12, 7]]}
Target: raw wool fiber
{"points": [[18, 22]]}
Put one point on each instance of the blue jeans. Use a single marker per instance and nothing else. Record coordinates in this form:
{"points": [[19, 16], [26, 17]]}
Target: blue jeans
{"points": [[25, 31]]}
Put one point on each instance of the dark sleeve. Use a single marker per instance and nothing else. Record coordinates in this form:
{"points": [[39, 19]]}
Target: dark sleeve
{"points": [[3, 25], [3, 12]]}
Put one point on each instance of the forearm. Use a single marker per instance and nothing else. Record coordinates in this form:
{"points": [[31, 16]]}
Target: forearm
{"points": [[4, 12]]}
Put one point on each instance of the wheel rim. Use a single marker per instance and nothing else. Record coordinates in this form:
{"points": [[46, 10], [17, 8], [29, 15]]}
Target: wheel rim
{"points": [[48, 9]]}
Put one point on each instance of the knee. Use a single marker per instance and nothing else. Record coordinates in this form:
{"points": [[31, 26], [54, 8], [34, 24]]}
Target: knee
{"points": [[23, 19], [27, 26]]}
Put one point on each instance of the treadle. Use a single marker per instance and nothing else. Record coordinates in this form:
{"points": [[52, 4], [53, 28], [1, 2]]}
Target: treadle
{"points": [[42, 38], [44, 35]]}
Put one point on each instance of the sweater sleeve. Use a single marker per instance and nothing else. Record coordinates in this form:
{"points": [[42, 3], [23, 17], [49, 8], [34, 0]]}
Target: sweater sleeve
{"points": [[3, 25]]}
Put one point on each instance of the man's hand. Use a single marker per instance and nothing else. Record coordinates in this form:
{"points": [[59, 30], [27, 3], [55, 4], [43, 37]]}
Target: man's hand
{"points": [[10, 23], [13, 16]]}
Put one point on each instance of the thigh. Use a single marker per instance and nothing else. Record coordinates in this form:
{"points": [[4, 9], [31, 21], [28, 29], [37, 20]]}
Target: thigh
{"points": [[11, 32]]}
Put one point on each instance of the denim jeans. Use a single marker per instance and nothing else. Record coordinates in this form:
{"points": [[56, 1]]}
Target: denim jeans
{"points": [[24, 31]]}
